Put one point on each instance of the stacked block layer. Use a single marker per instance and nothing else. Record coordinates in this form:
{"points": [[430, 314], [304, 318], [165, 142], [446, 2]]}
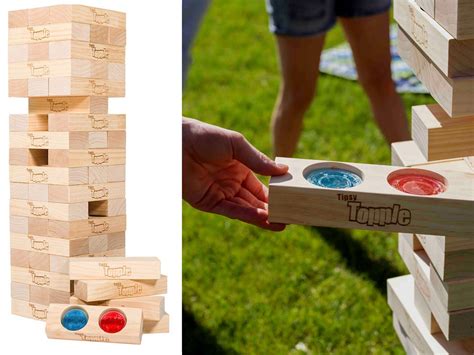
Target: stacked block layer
{"points": [[434, 306], [67, 154]]}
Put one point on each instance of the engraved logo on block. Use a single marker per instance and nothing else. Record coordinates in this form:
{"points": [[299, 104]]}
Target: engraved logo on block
{"points": [[97, 194], [38, 177], [39, 245], [58, 106], [38, 71], [93, 338], [418, 30], [100, 17], [38, 313], [128, 291], [99, 228], [38, 142], [99, 123], [102, 53], [114, 272], [40, 280], [38, 211], [98, 89], [38, 35], [99, 159], [379, 216]]}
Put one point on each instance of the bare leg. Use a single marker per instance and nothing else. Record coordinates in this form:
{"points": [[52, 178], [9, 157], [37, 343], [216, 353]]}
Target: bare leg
{"points": [[369, 40], [299, 61]]}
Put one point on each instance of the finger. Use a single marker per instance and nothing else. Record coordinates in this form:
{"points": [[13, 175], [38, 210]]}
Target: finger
{"points": [[240, 201], [251, 198], [251, 215], [256, 161], [256, 187]]}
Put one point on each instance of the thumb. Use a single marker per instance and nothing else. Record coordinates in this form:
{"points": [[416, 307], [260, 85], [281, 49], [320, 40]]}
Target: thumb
{"points": [[255, 160]]}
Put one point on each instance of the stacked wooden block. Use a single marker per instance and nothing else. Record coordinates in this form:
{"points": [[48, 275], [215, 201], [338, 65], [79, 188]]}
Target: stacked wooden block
{"points": [[67, 154], [123, 282], [434, 306]]}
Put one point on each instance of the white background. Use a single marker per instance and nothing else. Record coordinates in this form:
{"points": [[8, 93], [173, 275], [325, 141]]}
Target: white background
{"points": [[153, 108]]}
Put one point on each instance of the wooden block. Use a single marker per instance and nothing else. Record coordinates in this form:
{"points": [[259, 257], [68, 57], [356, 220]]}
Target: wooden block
{"points": [[56, 296], [80, 158], [29, 310], [456, 16], [136, 268], [454, 325], [116, 140], [20, 291], [50, 210], [49, 33], [115, 173], [38, 261], [38, 192], [400, 292], [28, 123], [18, 53], [99, 34], [98, 243], [101, 290], [71, 86], [23, 156], [19, 258], [87, 15], [38, 87], [17, 18], [107, 208], [440, 137], [59, 264], [50, 245], [18, 88], [98, 175], [68, 122], [453, 258], [454, 295], [81, 104], [117, 37], [39, 295], [85, 193], [19, 191], [132, 333], [152, 327], [116, 241], [83, 50], [87, 227], [116, 71], [19, 224], [38, 51], [454, 95], [49, 175], [37, 226], [456, 164], [108, 253], [373, 204], [50, 69], [428, 6], [153, 306], [46, 279], [38, 16], [454, 58], [407, 344], [407, 153], [99, 140]]}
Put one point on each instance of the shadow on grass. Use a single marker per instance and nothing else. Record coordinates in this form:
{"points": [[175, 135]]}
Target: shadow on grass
{"points": [[357, 257], [197, 340]]}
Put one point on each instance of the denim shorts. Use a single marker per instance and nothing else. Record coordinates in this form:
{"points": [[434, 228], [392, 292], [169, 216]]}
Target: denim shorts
{"points": [[312, 17]]}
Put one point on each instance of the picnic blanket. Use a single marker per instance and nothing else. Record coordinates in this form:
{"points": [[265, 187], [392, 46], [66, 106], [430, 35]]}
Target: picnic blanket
{"points": [[338, 61]]}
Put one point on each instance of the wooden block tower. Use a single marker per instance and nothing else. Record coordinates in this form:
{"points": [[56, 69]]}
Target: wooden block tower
{"points": [[67, 154], [433, 308]]}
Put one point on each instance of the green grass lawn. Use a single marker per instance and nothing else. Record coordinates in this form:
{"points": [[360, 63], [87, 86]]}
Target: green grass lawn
{"points": [[254, 292]]}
